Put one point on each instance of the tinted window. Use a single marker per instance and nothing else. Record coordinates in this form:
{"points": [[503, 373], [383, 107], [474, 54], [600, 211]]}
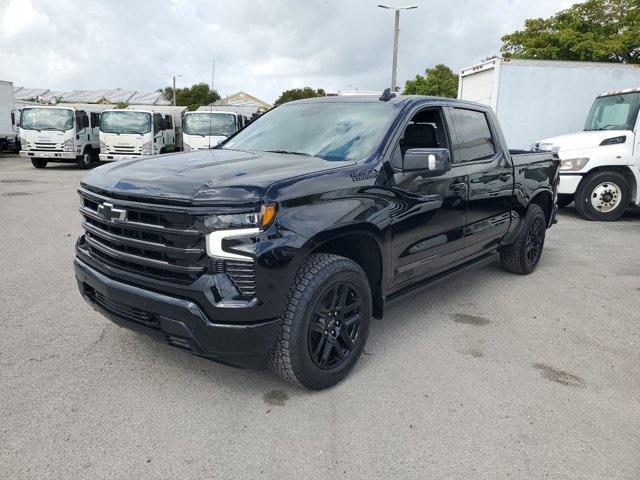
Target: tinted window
{"points": [[475, 140], [168, 122]]}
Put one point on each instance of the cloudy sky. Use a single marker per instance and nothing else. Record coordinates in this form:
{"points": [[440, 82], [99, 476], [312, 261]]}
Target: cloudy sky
{"points": [[260, 46]]}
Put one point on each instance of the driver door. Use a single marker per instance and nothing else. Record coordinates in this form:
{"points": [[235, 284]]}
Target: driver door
{"points": [[429, 216]]}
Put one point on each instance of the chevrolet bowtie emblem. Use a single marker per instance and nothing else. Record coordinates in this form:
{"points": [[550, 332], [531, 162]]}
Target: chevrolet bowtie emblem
{"points": [[108, 211]]}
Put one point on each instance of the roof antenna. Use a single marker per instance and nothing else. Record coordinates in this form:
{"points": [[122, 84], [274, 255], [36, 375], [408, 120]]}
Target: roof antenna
{"points": [[387, 95]]}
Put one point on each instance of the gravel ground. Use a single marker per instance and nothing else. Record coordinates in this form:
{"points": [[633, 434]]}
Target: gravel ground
{"points": [[487, 376]]}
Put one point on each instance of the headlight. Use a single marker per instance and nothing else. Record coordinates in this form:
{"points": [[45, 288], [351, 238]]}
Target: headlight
{"points": [[69, 145], [573, 164], [103, 146], [146, 148], [613, 140], [236, 225], [186, 147], [261, 219]]}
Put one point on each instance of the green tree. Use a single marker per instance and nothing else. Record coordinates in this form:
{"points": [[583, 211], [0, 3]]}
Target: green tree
{"points": [[122, 105], [298, 94], [439, 81], [192, 97], [596, 30]]}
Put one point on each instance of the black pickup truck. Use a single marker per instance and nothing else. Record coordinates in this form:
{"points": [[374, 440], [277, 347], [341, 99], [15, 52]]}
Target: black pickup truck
{"points": [[280, 245]]}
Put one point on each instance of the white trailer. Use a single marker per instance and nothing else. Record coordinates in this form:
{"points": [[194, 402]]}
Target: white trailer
{"points": [[59, 134], [8, 131], [536, 99]]}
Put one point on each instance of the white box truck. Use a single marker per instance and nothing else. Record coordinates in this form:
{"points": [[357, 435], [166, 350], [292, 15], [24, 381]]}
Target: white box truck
{"points": [[204, 129], [600, 164], [59, 134], [137, 131], [8, 131], [536, 99]]}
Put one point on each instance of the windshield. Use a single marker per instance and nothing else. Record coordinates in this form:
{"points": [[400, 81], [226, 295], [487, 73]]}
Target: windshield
{"points": [[125, 122], [614, 112], [333, 131], [46, 119], [209, 124]]}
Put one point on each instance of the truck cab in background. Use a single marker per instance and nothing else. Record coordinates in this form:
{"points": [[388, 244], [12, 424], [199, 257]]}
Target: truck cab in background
{"points": [[59, 134], [206, 129], [131, 133], [600, 167]]}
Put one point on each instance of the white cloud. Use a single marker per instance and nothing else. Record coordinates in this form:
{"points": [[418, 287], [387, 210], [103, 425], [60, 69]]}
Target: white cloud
{"points": [[260, 46]]}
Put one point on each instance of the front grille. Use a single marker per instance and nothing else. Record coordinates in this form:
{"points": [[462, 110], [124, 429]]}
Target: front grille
{"points": [[155, 242], [124, 149], [45, 146], [158, 244]]}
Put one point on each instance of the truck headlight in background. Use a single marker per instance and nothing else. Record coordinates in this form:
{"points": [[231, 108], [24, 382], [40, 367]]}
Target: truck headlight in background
{"points": [[236, 225], [573, 164], [543, 147], [69, 145], [613, 140], [186, 147], [147, 148], [103, 146]]}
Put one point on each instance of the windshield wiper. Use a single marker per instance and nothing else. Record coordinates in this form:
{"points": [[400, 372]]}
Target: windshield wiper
{"points": [[287, 152]]}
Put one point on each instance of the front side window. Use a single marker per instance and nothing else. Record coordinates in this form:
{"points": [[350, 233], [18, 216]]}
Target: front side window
{"points": [[46, 119], [613, 112], [125, 122], [475, 142], [329, 130], [205, 123]]}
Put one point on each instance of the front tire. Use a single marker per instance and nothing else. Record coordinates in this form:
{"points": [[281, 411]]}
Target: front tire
{"points": [[38, 162], [603, 197], [325, 323], [86, 160], [523, 255]]}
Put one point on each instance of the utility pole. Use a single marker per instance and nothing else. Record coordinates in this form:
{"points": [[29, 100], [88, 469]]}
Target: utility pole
{"points": [[396, 31], [174, 88]]}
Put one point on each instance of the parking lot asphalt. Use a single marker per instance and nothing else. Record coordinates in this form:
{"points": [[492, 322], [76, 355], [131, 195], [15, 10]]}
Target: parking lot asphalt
{"points": [[486, 376]]}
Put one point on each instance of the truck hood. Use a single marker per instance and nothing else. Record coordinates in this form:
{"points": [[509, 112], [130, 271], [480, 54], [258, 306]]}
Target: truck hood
{"points": [[581, 140], [205, 177]]}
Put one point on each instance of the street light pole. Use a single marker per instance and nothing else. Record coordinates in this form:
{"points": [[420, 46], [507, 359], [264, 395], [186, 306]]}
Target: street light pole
{"points": [[174, 88], [396, 31]]}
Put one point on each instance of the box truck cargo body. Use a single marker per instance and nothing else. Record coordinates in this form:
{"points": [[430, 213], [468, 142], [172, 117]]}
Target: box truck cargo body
{"points": [[8, 132], [537, 99]]}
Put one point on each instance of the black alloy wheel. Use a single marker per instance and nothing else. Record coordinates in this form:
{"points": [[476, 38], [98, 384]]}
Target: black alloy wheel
{"points": [[335, 325]]}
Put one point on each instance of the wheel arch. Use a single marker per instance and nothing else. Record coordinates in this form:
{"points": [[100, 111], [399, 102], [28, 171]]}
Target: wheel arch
{"points": [[363, 245]]}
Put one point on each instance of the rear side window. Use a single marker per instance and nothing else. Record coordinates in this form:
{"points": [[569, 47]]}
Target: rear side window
{"points": [[475, 141], [168, 122]]}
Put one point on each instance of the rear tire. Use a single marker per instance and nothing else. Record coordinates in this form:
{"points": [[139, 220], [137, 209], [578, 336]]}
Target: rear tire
{"points": [[564, 200], [523, 255], [603, 197], [38, 162], [325, 323]]}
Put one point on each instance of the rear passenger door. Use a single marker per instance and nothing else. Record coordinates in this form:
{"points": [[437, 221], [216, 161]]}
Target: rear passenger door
{"points": [[490, 173]]}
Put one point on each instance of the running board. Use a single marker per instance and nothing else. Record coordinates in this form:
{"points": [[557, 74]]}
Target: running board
{"points": [[432, 282]]}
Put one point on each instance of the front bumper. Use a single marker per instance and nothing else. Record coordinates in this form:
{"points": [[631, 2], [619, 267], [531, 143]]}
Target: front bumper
{"points": [[177, 321], [569, 183], [114, 157], [49, 154]]}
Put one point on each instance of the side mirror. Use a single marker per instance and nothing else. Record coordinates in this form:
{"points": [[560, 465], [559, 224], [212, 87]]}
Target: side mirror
{"points": [[428, 161]]}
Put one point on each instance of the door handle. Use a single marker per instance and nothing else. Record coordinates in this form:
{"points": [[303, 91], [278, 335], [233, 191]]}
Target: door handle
{"points": [[504, 176], [456, 187]]}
